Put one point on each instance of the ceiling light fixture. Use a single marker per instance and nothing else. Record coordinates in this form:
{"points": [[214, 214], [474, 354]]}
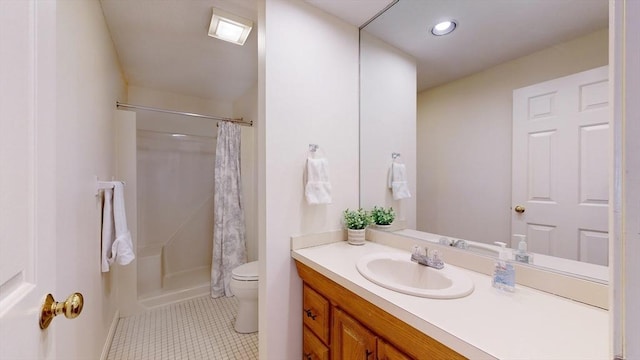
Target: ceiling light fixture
{"points": [[229, 27], [444, 27]]}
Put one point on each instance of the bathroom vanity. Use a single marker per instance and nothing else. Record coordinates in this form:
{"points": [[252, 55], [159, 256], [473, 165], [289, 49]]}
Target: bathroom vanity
{"points": [[339, 323], [346, 316]]}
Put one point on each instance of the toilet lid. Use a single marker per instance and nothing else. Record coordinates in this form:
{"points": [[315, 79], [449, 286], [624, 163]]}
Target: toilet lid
{"points": [[246, 272]]}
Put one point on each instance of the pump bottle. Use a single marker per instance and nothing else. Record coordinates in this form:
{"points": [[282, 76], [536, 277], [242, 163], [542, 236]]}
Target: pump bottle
{"points": [[521, 254], [504, 274]]}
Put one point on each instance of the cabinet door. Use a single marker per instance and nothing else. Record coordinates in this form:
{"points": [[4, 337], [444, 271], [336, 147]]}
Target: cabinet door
{"points": [[350, 340], [387, 351], [312, 347]]}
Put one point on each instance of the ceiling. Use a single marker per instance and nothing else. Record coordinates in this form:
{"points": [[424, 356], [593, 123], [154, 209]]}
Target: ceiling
{"points": [[354, 12], [489, 32], [164, 45]]}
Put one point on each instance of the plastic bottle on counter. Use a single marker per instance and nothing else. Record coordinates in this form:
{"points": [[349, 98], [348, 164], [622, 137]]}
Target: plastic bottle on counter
{"points": [[504, 274]]}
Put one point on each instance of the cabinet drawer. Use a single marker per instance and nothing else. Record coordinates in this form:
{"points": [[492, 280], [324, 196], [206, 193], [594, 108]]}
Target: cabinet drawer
{"points": [[312, 347], [316, 313]]}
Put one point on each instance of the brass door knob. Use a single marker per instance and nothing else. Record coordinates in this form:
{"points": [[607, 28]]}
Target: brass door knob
{"points": [[519, 209], [71, 308]]}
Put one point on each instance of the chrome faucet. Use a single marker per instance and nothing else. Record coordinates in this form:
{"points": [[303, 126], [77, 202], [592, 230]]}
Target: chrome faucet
{"points": [[460, 244], [425, 257]]}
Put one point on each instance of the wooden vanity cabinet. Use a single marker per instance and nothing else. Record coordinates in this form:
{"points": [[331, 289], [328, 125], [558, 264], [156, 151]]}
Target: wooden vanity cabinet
{"points": [[387, 351], [351, 340], [316, 313], [340, 325], [313, 348]]}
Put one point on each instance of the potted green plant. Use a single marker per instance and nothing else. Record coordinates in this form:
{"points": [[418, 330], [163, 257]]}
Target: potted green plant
{"points": [[356, 221], [383, 217]]}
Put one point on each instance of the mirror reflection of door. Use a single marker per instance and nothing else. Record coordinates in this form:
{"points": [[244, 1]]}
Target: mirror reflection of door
{"points": [[560, 166]]}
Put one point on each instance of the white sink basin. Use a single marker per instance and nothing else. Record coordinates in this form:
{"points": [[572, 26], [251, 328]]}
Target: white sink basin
{"points": [[395, 271]]}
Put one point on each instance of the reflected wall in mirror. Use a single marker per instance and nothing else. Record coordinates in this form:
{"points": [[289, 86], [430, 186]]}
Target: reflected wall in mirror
{"points": [[463, 157]]}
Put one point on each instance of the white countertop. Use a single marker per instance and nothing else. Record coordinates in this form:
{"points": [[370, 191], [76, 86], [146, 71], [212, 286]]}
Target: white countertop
{"points": [[489, 323]]}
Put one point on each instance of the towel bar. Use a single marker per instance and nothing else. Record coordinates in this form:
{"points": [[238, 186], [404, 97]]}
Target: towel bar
{"points": [[103, 185]]}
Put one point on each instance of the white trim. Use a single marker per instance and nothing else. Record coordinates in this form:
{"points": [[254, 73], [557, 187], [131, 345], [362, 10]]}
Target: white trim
{"points": [[625, 215], [110, 335], [615, 189]]}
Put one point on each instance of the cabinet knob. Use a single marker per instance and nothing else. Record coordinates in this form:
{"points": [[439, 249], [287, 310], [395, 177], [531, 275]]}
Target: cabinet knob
{"points": [[368, 353], [310, 314], [308, 356], [519, 209]]}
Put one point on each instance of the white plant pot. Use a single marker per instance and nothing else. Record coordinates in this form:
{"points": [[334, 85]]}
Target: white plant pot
{"points": [[355, 237], [383, 227]]}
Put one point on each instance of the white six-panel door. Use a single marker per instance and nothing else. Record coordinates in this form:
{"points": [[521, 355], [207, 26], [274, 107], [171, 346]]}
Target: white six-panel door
{"points": [[560, 166], [27, 182]]}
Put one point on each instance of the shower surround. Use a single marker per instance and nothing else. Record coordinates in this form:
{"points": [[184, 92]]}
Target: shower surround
{"points": [[175, 215]]}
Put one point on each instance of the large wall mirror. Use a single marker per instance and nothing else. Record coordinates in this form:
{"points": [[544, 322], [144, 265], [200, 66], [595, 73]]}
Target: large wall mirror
{"points": [[507, 112]]}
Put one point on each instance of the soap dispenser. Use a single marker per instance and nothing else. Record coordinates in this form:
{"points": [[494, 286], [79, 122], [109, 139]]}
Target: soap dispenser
{"points": [[504, 274], [521, 255]]}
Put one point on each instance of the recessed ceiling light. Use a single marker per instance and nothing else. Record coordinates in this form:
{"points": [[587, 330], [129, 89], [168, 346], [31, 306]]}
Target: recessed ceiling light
{"points": [[444, 27], [229, 27]]}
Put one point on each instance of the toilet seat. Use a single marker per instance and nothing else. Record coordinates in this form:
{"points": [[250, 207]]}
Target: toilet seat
{"points": [[246, 272]]}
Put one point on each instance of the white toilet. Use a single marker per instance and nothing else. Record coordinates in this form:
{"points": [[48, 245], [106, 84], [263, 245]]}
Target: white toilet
{"points": [[244, 286]]}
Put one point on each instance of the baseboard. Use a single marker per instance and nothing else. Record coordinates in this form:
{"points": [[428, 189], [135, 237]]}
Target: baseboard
{"points": [[110, 335]]}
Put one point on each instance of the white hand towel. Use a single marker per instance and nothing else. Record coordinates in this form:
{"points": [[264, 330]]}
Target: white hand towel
{"points": [[120, 249], [318, 189], [398, 181], [107, 229]]}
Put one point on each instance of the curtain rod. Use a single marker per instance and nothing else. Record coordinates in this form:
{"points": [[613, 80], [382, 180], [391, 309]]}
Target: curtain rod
{"points": [[240, 121]]}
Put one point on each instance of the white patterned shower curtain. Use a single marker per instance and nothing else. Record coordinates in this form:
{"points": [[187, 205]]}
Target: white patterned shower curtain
{"points": [[229, 249]]}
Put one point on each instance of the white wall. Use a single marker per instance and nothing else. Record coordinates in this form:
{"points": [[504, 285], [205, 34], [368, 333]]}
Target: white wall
{"points": [[309, 94], [126, 170], [246, 107], [89, 82], [387, 124], [632, 191], [464, 140]]}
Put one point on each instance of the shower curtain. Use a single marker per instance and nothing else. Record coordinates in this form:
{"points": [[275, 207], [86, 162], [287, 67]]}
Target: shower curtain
{"points": [[229, 249]]}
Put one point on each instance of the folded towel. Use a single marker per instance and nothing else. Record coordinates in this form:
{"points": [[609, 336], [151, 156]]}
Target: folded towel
{"points": [[120, 249], [318, 189], [398, 181]]}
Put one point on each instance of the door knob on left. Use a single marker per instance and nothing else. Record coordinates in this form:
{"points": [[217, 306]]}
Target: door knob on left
{"points": [[71, 308]]}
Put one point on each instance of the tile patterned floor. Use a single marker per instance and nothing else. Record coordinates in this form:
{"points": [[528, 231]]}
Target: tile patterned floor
{"points": [[197, 329]]}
